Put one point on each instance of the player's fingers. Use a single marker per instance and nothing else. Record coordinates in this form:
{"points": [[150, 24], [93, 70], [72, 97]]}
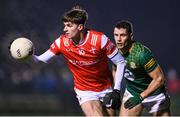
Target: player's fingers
{"points": [[127, 104], [130, 106]]}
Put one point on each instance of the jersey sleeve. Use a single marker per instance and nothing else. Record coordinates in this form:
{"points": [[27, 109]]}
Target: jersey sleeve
{"points": [[109, 47], [147, 60], [55, 46]]}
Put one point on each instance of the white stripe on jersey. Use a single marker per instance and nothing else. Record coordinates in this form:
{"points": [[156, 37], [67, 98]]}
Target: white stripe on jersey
{"points": [[117, 58], [94, 39], [57, 41], [104, 41]]}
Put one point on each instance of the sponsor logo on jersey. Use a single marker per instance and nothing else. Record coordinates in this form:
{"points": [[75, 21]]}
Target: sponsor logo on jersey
{"points": [[129, 75], [82, 63], [69, 50]]}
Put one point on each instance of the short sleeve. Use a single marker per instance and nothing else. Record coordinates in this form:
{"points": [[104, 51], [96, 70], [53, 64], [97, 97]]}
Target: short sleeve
{"points": [[55, 46], [147, 60], [109, 48]]}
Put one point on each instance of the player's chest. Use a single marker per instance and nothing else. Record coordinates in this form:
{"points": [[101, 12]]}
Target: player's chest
{"points": [[85, 51], [132, 62]]}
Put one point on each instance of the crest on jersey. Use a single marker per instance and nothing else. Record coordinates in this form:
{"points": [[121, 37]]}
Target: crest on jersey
{"points": [[66, 42], [133, 65]]}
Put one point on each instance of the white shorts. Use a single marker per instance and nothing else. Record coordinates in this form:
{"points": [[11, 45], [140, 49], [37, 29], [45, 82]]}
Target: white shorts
{"points": [[84, 96], [152, 103]]}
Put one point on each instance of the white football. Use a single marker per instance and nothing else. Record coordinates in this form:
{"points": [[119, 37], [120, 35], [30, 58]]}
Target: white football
{"points": [[21, 48]]}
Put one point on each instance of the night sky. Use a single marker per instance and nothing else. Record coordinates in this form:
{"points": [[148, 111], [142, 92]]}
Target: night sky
{"points": [[156, 23]]}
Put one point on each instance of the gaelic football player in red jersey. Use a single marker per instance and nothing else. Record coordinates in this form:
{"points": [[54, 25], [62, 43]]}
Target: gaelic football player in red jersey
{"points": [[86, 52]]}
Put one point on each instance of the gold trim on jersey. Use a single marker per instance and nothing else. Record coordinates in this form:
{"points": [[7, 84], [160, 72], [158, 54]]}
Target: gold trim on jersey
{"points": [[150, 63]]}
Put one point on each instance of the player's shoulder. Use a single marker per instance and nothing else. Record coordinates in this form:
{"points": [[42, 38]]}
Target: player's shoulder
{"points": [[62, 37], [140, 48], [58, 40], [144, 53], [141, 52], [92, 31], [96, 36]]}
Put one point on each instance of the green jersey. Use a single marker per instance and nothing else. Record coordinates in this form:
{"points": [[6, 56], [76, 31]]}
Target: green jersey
{"points": [[139, 62]]}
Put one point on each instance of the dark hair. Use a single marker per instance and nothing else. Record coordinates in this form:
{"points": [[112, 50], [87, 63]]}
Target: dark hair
{"points": [[76, 15], [126, 25]]}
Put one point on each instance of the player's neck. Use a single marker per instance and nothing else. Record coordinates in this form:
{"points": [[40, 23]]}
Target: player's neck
{"points": [[127, 48], [79, 39]]}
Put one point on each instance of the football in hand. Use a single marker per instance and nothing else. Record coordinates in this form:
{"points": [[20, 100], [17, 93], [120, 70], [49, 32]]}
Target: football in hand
{"points": [[21, 48]]}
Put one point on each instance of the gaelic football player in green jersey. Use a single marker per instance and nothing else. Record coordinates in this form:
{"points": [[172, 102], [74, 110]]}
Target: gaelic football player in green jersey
{"points": [[145, 82]]}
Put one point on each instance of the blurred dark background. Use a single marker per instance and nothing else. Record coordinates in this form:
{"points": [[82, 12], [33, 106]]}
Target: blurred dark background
{"points": [[30, 89]]}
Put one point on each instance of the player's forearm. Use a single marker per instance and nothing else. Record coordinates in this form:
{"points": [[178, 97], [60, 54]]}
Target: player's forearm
{"points": [[119, 61], [45, 57], [113, 73], [154, 85], [119, 75]]}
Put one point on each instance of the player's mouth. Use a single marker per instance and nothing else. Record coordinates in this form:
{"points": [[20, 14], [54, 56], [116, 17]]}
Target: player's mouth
{"points": [[67, 34], [119, 44]]}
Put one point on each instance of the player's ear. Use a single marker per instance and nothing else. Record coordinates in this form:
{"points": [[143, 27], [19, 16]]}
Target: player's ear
{"points": [[131, 35], [80, 27]]}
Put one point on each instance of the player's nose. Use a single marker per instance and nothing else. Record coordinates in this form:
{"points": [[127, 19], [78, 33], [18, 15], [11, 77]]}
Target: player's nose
{"points": [[65, 29], [119, 39]]}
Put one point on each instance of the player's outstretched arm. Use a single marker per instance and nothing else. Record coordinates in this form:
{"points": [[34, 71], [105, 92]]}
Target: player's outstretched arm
{"points": [[45, 57]]}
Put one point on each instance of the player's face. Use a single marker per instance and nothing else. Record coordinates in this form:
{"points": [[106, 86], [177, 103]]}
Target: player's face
{"points": [[122, 38], [72, 30]]}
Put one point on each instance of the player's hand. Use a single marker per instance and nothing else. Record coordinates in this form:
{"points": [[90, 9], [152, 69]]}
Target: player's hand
{"points": [[132, 102], [112, 99]]}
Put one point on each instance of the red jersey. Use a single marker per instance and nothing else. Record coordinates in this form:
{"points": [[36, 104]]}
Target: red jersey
{"points": [[87, 61]]}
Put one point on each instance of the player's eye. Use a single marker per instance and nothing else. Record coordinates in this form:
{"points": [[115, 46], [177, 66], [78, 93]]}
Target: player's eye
{"points": [[123, 35], [69, 25], [116, 35]]}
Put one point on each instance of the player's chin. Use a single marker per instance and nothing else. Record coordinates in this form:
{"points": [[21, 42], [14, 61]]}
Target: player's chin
{"points": [[68, 35], [120, 46]]}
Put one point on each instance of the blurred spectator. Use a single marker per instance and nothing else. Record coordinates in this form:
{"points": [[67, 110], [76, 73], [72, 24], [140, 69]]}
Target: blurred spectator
{"points": [[44, 82], [173, 81]]}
